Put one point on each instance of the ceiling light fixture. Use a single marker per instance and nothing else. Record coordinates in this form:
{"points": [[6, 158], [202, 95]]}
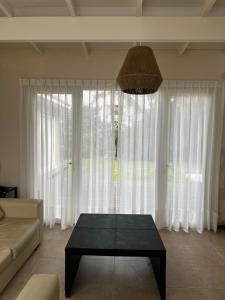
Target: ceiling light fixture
{"points": [[140, 73]]}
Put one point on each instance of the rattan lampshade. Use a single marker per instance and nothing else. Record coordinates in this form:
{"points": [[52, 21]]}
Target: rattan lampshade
{"points": [[140, 73]]}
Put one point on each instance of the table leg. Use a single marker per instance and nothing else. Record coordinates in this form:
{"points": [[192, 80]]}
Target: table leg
{"points": [[72, 262], [159, 267]]}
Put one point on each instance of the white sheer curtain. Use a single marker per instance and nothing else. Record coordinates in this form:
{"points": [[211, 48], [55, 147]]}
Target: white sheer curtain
{"points": [[169, 154], [67, 147], [46, 148], [97, 148], [138, 143], [192, 138]]}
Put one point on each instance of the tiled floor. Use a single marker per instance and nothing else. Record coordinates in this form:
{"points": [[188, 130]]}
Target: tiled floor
{"points": [[195, 270]]}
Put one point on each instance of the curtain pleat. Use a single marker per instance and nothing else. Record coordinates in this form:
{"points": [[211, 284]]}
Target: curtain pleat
{"points": [[97, 150]]}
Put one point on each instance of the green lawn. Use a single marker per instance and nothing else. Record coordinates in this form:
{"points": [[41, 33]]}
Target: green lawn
{"points": [[116, 171], [143, 171]]}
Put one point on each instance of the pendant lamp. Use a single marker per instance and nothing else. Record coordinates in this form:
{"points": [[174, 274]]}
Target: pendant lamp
{"points": [[140, 73]]}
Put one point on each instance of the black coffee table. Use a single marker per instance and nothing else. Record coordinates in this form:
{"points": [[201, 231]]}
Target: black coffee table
{"points": [[115, 235]]}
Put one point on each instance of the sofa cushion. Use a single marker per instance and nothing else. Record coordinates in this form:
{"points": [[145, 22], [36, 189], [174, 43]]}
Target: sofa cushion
{"points": [[41, 286], [5, 258], [16, 234]]}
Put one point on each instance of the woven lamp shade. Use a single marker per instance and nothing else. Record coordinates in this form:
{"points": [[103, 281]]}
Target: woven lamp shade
{"points": [[140, 73]]}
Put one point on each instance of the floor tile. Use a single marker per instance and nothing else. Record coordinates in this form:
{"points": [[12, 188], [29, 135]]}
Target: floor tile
{"points": [[185, 294], [195, 269], [214, 294]]}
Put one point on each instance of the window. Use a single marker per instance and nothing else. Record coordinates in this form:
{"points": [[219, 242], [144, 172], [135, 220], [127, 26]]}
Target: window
{"points": [[101, 151]]}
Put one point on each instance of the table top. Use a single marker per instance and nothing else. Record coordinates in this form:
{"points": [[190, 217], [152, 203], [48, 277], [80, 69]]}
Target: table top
{"points": [[116, 235]]}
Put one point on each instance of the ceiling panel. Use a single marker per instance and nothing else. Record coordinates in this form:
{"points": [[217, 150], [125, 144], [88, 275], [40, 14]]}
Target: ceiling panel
{"points": [[110, 46], [207, 46], [14, 45], [38, 8], [218, 8], [116, 46], [220, 3], [60, 45], [41, 12], [105, 8], [113, 7], [83, 7], [105, 3], [126, 46], [36, 3], [164, 46], [172, 7], [173, 3], [106, 11]]}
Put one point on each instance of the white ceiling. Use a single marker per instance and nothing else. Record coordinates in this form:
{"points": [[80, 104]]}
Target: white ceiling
{"points": [[113, 7], [117, 46], [35, 8]]}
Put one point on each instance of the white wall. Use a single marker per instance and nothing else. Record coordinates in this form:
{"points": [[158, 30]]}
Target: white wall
{"points": [[19, 62]]}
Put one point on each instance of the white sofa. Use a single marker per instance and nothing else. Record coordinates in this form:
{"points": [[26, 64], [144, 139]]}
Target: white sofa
{"points": [[41, 287], [20, 234]]}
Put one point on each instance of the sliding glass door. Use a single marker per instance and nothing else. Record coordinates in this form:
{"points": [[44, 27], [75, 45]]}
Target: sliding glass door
{"points": [[166, 154], [90, 148]]}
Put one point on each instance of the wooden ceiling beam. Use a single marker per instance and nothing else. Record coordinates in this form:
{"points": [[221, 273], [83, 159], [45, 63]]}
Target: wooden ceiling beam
{"points": [[112, 29]]}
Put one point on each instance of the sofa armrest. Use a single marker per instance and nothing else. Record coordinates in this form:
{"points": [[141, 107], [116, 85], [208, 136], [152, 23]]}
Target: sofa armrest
{"points": [[41, 287], [22, 208]]}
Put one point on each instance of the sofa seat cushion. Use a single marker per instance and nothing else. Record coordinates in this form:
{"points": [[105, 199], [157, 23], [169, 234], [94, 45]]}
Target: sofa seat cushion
{"points": [[5, 258], [16, 234], [41, 287]]}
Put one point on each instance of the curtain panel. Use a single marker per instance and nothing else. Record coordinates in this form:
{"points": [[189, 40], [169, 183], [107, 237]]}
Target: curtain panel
{"points": [[67, 146], [87, 147], [96, 148], [46, 148], [169, 154]]}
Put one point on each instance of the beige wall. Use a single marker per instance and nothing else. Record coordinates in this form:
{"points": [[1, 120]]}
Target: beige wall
{"points": [[17, 62]]}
